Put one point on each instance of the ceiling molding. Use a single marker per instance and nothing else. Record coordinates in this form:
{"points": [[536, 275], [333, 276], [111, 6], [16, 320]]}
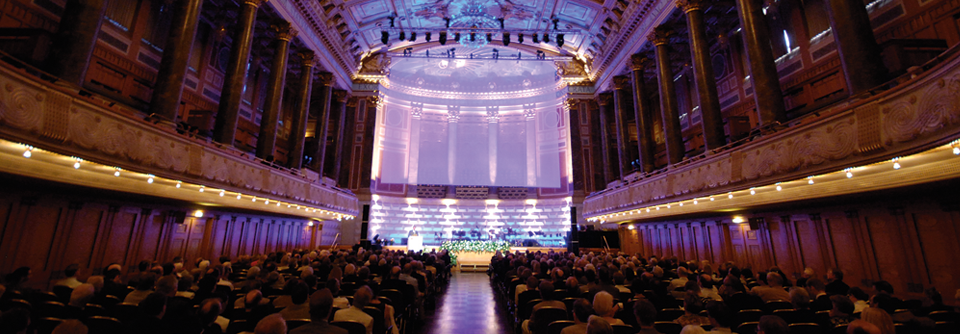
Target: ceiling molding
{"points": [[307, 17]]}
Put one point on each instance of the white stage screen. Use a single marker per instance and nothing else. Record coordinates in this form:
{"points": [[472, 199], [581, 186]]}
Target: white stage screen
{"points": [[470, 122]]}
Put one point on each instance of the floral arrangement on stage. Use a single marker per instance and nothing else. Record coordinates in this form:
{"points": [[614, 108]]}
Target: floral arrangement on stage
{"points": [[475, 246]]}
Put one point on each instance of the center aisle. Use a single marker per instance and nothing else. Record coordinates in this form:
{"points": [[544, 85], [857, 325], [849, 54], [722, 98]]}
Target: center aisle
{"points": [[467, 307]]}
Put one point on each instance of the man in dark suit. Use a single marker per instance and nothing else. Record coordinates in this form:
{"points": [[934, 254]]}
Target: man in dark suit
{"points": [[817, 290], [320, 304], [836, 285]]}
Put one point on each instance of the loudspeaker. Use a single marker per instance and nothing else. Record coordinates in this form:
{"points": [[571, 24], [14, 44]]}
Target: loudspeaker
{"points": [[364, 223], [755, 223], [573, 245]]}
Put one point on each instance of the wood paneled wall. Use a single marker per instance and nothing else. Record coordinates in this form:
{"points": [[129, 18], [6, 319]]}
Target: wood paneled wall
{"points": [[910, 241], [47, 232]]}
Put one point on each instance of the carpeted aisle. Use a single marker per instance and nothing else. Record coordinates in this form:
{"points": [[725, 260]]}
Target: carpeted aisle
{"points": [[467, 307]]}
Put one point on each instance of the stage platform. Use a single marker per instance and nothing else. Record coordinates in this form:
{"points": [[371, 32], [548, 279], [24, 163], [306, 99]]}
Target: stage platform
{"points": [[478, 261]]}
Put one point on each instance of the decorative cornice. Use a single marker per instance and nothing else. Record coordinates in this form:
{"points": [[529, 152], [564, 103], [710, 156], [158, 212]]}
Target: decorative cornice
{"points": [[307, 16]]}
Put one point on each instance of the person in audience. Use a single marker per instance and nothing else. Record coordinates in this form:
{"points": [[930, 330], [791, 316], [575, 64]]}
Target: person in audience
{"points": [[879, 318], [886, 289], [807, 273], [680, 281], [859, 298], [16, 279], [816, 288], [862, 327], [835, 284], [598, 325], [144, 288], [771, 324], [152, 309], [721, 317], [890, 305], [184, 286], [708, 288], [320, 304], [339, 302], [619, 279], [841, 313], [735, 295], [113, 284], [70, 279], [582, 310], [774, 289], [933, 301], [355, 313], [79, 298], [271, 324], [15, 321], [692, 329], [209, 317], [646, 315], [70, 326], [255, 307], [604, 307], [547, 300], [298, 308], [800, 300], [692, 305]]}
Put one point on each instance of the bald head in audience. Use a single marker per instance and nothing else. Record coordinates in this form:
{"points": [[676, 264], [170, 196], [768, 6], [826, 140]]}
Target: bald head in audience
{"points": [[862, 327], [81, 295], [596, 325], [271, 324], [70, 327]]}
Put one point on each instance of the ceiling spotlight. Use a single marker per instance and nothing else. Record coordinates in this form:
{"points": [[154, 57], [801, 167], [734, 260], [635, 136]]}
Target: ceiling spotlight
{"points": [[506, 39], [810, 180], [254, 199], [429, 36], [201, 188], [956, 151], [520, 38], [266, 201], [536, 38], [150, 179], [779, 188], [849, 174], [896, 163], [384, 37], [413, 36], [489, 37], [222, 192], [28, 152], [238, 196], [117, 172], [730, 195], [178, 184], [198, 214], [443, 38], [753, 191], [630, 227], [310, 224], [76, 165], [456, 37], [546, 38], [403, 36], [560, 40]]}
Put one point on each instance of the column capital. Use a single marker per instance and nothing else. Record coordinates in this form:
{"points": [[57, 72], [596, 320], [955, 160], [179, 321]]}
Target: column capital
{"points": [[692, 5], [254, 3], [307, 58], [621, 82], [639, 62], [284, 31], [340, 96], [604, 99], [660, 35], [325, 78]]}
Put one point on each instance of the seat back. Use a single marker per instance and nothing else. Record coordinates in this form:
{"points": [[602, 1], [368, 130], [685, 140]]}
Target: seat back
{"points": [[94, 310], [16, 303], [805, 328], [749, 315], [667, 327], [748, 327], [379, 324], [790, 316], [103, 325], [623, 329], [294, 323], [46, 325], [50, 309], [240, 325], [557, 326], [944, 316], [669, 314], [945, 327], [773, 305], [125, 312], [545, 316], [63, 293], [352, 327], [526, 310]]}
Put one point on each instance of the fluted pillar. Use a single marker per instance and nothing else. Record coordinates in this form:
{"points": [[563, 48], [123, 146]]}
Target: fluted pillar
{"points": [[763, 68], [225, 126], [299, 126], [165, 101], [606, 119], [643, 114], [267, 140], [620, 101], [340, 97], [859, 52], [668, 95], [712, 121], [76, 37], [323, 115]]}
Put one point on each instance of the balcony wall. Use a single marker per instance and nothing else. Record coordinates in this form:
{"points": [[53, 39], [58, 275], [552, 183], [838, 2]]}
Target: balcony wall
{"points": [[916, 115]]}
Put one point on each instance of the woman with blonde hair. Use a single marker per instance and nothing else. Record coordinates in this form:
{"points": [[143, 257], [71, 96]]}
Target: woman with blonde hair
{"points": [[879, 318]]}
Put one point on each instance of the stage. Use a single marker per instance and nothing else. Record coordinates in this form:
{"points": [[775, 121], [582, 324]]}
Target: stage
{"points": [[478, 261]]}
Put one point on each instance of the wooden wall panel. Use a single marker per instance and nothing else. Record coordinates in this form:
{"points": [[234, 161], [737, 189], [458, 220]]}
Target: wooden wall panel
{"points": [[811, 255], [83, 233], [938, 240], [780, 240], [36, 237], [118, 238], [844, 238], [888, 249]]}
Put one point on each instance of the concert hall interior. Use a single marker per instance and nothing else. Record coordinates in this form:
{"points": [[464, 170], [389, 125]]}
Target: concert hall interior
{"points": [[254, 150]]}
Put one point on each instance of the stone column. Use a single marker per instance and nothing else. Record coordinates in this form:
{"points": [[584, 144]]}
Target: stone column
{"points": [[620, 96], [320, 132], [299, 126], [350, 120], [643, 114], [453, 119], [340, 97], [668, 97], [267, 140], [763, 69], [606, 118], [225, 126], [711, 120], [165, 102], [75, 40], [859, 52]]}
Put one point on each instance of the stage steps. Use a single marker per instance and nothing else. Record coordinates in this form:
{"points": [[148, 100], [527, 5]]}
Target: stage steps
{"points": [[473, 267]]}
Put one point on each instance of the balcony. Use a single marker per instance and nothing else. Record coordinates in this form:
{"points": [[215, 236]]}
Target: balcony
{"points": [[856, 146]]}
